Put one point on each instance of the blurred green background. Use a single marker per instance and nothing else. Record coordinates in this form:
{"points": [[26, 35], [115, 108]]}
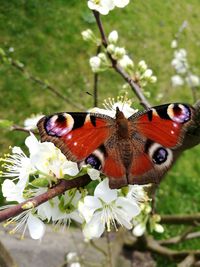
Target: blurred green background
{"points": [[46, 37]]}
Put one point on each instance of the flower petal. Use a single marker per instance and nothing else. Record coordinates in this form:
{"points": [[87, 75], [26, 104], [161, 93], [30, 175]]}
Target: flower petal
{"points": [[36, 227], [103, 192], [95, 228]]}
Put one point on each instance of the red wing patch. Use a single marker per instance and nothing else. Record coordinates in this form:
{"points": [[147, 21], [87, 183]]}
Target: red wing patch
{"points": [[164, 132], [84, 140]]}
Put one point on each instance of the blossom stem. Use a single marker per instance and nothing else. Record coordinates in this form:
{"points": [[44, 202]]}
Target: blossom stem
{"points": [[51, 193], [135, 87]]}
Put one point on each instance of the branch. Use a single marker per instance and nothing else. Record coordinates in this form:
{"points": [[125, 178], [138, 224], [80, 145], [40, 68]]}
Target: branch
{"points": [[21, 129], [135, 87], [155, 247], [38, 200], [181, 219], [186, 235]]}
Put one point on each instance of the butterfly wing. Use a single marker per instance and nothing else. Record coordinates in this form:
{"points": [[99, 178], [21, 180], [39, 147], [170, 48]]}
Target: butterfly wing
{"points": [[86, 138], [76, 134], [157, 134]]}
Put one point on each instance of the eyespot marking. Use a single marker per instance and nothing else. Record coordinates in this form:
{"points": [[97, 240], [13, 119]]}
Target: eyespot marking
{"points": [[179, 113], [96, 159], [59, 125], [161, 156]]}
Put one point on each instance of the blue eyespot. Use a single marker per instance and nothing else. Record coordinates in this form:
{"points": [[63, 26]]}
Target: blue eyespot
{"points": [[160, 155], [93, 161]]}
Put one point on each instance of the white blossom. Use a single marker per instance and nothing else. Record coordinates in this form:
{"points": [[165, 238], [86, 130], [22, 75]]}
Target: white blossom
{"points": [[48, 159], [31, 123], [17, 166], [177, 80], [123, 103], [104, 209], [102, 6], [193, 80]]}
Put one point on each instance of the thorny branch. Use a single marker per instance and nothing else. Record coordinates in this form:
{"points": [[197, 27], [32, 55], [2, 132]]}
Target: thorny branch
{"points": [[135, 87]]}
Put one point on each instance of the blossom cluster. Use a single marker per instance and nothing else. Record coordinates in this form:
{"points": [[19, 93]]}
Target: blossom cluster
{"points": [[182, 68], [140, 73], [96, 210]]}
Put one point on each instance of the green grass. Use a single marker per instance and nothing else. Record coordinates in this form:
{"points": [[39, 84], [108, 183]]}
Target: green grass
{"points": [[46, 38]]}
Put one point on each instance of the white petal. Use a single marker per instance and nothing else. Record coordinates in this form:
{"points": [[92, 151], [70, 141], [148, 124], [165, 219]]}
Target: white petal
{"points": [[95, 228], [131, 208], [93, 173], [36, 227], [70, 168], [12, 191], [88, 207], [32, 143], [121, 3], [103, 192]]}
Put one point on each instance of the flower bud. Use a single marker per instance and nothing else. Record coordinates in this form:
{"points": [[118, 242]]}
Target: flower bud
{"points": [[102, 57], [158, 228], [126, 62], [153, 79], [111, 48], [119, 52], [95, 63], [174, 44], [142, 65], [87, 35], [147, 74], [113, 37]]}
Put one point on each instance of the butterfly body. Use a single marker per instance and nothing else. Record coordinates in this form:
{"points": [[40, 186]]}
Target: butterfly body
{"points": [[134, 150]]}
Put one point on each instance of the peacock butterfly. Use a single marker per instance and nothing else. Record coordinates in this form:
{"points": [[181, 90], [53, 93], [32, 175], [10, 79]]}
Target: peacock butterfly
{"points": [[135, 150]]}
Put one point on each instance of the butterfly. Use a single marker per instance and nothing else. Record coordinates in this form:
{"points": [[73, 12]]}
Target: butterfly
{"points": [[135, 150]]}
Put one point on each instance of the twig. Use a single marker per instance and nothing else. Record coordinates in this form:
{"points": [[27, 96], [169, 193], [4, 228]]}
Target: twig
{"points": [[21, 129], [154, 246], [135, 87], [187, 262], [51, 193], [177, 239], [181, 219]]}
